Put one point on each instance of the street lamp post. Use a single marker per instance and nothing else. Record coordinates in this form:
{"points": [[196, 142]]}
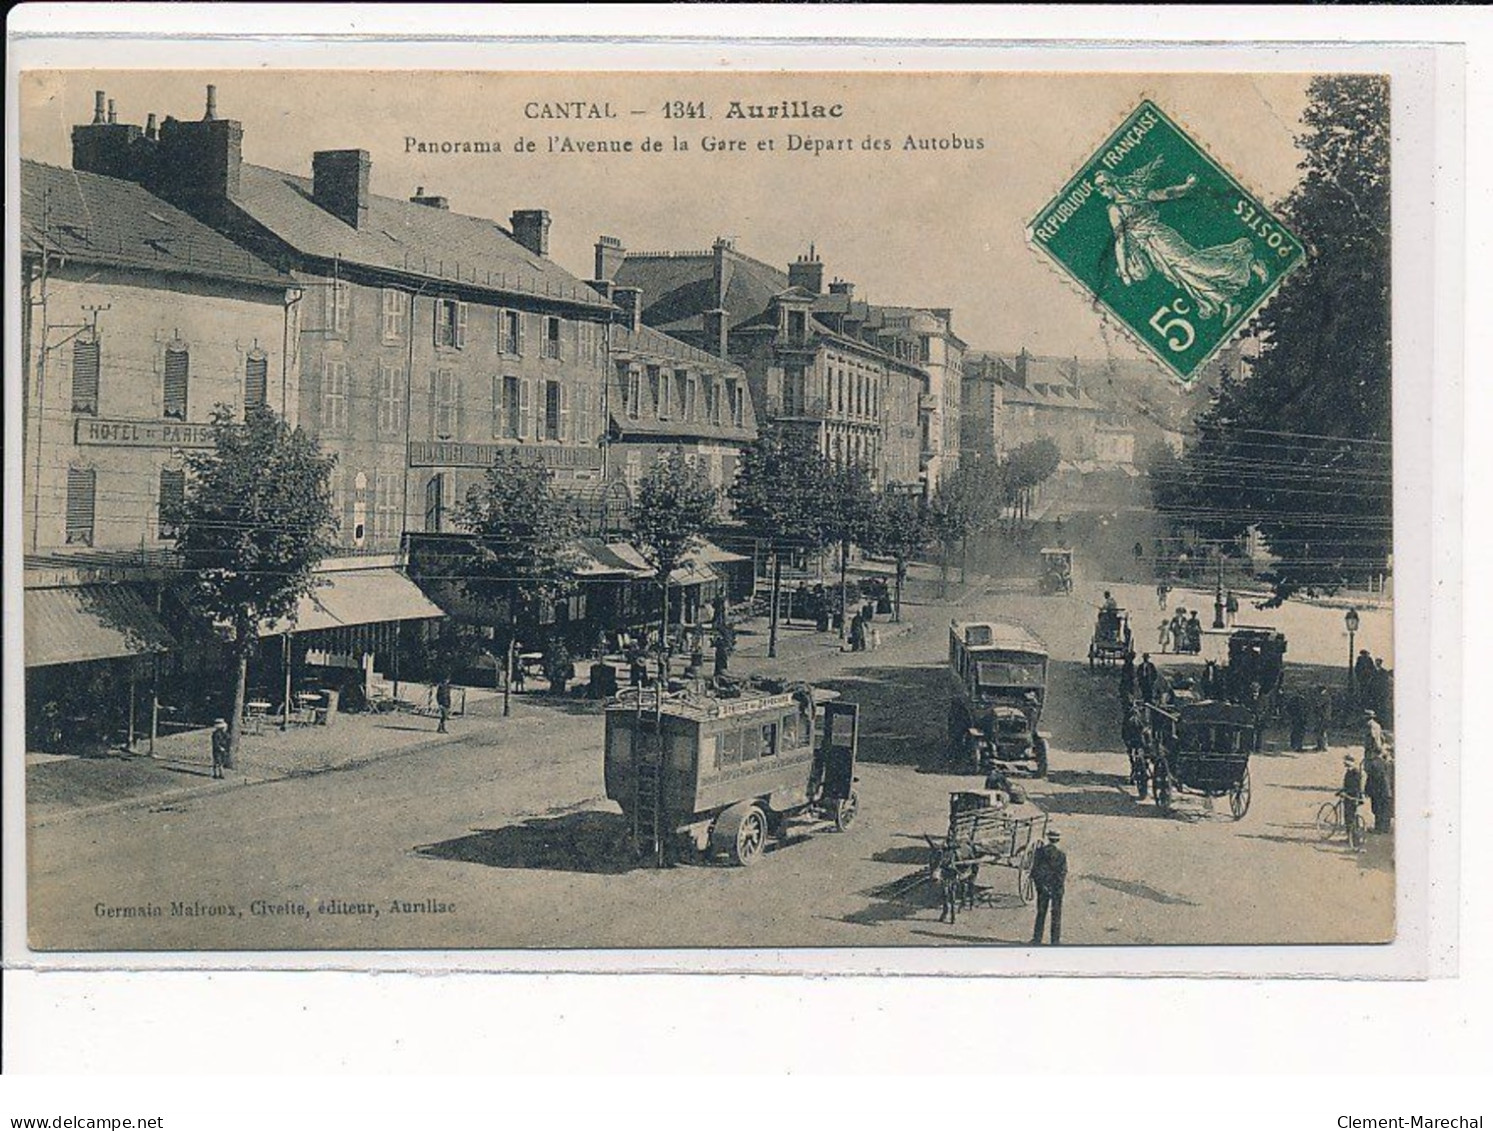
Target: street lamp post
{"points": [[1350, 621], [1218, 592]]}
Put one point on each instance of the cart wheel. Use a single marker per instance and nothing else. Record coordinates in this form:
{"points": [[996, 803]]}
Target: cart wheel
{"points": [[741, 833], [1039, 748], [1024, 886], [1239, 799], [1327, 820], [846, 811]]}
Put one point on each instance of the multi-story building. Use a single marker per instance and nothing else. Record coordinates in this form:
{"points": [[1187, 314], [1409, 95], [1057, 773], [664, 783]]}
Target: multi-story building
{"points": [[1014, 400], [137, 322], [430, 341], [663, 394], [818, 360]]}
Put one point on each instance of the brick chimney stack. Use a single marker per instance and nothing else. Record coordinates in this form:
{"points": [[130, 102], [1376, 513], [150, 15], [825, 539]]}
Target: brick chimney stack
{"points": [[807, 271], [198, 165], [109, 147], [531, 227], [339, 183], [610, 255]]}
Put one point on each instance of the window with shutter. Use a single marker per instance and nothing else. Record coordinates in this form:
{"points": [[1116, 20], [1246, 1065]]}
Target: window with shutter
{"points": [[551, 411], [552, 337], [525, 421], [85, 375], [435, 500], [173, 493], [256, 378], [691, 398], [444, 409], [80, 499], [338, 305], [390, 398], [393, 315], [635, 393], [563, 433], [658, 398], [511, 332], [461, 325], [174, 393], [334, 396]]}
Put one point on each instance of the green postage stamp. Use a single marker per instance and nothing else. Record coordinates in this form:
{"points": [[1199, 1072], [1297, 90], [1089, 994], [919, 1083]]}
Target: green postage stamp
{"points": [[1166, 240]]}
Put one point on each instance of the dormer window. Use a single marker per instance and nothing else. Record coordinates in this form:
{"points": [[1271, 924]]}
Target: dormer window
{"points": [[798, 325]]}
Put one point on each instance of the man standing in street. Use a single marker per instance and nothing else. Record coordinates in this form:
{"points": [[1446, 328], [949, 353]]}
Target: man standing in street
{"points": [[1049, 876], [1378, 773], [1322, 716], [1231, 606], [443, 703], [1363, 677], [1146, 677], [1352, 795], [221, 759]]}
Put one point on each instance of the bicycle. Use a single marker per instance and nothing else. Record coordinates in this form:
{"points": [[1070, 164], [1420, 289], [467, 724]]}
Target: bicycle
{"points": [[1329, 822]]}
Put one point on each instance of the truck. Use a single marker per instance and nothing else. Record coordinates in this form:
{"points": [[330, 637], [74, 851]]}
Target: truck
{"points": [[722, 774]]}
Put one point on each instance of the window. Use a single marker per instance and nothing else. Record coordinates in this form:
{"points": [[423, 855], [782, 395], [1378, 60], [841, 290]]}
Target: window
{"points": [[925, 348], [793, 391], [360, 509], [174, 393], [798, 325], [691, 398], [338, 297], [634, 397], [733, 395], [632, 473], [80, 493], [386, 503], [657, 396], [393, 315], [173, 494], [767, 744], [256, 378], [435, 502], [445, 416], [334, 396], [507, 408], [552, 410], [712, 401], [581, 430], [85, 375], [551, 337], [450, 323], [510, 332], [681, 393], [390, 398]]}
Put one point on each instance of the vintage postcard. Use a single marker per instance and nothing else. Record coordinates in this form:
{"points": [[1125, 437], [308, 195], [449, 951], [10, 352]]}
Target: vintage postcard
{"points": [[499, 510]]}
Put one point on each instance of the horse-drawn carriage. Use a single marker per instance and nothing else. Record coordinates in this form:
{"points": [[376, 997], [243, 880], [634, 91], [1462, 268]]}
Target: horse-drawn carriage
{"points": [[1057, 570], [1112, 641], [1200, 748]]}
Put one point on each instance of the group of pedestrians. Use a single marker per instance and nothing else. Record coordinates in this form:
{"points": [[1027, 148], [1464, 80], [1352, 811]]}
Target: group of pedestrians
{"points": [[1373, 685], [1371, 779], [863, 631], [1182, 632]]}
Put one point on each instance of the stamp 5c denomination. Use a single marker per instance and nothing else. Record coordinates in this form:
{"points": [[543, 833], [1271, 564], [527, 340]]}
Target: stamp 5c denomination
{"points": [[1166, 240]]}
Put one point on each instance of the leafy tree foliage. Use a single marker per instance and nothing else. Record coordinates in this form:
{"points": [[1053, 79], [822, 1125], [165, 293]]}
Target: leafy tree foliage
{"points": [[851, 507], [966, 501], [522, 547], [900, 529], [1300, 445], [1028, 465], [675, 504], [782, 495], [255, 521]]}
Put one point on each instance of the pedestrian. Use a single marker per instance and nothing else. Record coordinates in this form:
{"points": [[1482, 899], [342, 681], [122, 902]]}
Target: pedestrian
{"points": [[1163, 590], [875, 637], [1194, 633], [1049, 877], [1296, 715], [1231, 606], [1322, 716], [1378, 772], [1382, 697], [1110, 604], [1164, 636], [1145, 676], [1352, 795], [222, 758], [1373, 735], [1363, 678], [559, 668], [1179, 630], [443, 703], [857, 634], [518, 666]]}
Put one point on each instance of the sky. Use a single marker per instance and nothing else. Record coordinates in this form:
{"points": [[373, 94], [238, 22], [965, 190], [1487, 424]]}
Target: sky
{"points": [[927, 227]]}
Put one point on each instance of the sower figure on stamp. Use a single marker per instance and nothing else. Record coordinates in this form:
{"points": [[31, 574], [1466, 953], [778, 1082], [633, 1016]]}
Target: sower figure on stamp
{"points": [[1049, 877], [222, 758]]}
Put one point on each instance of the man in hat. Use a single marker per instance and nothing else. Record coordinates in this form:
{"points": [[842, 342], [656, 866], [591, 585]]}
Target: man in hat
{"points": [[1373, 735], [1049, 875], [221, 759], [1145, 678]]}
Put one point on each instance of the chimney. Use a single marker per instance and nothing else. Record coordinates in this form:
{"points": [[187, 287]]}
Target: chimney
{"points": [[198, 164], [723, 266], [108, 147], [629, 300], [603, 287], [210, 114], [339, 183], [807, 272], [1021, 360], [609, 256], [531, 227], [717, 338], [841, 287], [151, 130], [430, 201]]}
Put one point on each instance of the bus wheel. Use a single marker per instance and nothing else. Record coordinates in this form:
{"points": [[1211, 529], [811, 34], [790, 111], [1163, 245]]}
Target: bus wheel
{"points": [[741, 833]]}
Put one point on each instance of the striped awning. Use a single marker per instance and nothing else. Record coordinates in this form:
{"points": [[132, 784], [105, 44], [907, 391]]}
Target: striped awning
{"points": [[90, 622], [357, 596]]}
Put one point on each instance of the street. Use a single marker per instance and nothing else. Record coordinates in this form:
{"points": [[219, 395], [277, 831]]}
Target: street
{"points": [[503, 838]]}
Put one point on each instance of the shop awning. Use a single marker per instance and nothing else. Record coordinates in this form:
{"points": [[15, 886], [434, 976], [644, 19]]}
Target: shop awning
{"points": [[692, 571], [90, 622], [596, 560], [711, 554], [357, 596]]}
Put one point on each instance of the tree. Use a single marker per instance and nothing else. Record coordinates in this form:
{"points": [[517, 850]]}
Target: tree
{"points": [[675, 503], [851, 504], [781, 495], [1028, 465], [965, 502], [1300, 444], [522, 553], [899, 530], [255, 520]]}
